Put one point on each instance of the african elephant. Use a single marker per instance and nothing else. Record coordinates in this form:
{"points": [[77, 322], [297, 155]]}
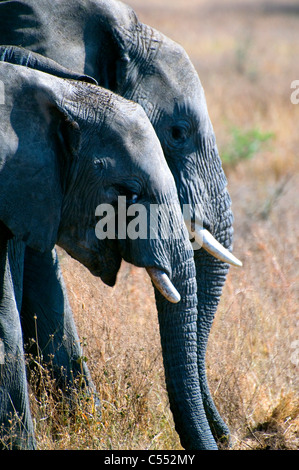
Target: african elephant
{"points": [[105, 39], [68, 147]]}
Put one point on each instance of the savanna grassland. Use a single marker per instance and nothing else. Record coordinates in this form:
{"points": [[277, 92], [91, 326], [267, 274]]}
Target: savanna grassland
{"points": [[247, 55]]}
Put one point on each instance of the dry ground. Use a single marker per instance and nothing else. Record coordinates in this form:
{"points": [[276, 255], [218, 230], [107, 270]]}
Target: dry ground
{"points": [[246, 53]]}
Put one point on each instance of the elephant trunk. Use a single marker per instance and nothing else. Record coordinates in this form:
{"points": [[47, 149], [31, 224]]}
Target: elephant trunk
{"points": [[178, 330], [210, 275]]}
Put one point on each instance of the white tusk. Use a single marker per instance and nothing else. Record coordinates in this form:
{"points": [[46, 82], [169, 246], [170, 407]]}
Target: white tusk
{"points": [[206, 240], [210, 244], [164, 285]]}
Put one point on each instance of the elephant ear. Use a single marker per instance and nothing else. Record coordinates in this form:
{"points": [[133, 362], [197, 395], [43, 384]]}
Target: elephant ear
{"points": [[133, 45], [41, 142], [117, 28], [21, 56]]}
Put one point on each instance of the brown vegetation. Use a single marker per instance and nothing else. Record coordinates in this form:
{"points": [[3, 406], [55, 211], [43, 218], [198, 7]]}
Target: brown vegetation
{"points": [[246, 54]]}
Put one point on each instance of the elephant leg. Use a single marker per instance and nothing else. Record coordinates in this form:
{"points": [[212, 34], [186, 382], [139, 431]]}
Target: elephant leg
{"points": [[16, 427], [210, 279], [48, 326]]}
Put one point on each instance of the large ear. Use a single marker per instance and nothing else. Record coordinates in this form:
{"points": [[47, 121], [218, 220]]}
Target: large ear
{"points": [[117, 30], [34, 132]]}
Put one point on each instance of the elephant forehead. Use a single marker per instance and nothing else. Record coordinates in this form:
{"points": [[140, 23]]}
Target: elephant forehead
{"points": [[131, 127], [171, 78]]}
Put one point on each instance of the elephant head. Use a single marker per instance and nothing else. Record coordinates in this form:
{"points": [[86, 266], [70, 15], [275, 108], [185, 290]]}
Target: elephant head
{"points": [[106, 40], [91, 148]]}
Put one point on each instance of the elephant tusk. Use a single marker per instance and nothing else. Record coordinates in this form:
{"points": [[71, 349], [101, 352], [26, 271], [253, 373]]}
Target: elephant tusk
{"points": [[206, 240], [164, 285], [212, 246]]}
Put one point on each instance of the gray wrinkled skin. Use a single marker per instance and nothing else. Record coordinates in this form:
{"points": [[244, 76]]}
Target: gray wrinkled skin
{"points": [[105, 40], [91, 147]]}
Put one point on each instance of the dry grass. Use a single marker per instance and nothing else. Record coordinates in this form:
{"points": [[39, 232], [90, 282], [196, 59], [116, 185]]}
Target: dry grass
{"points": [[247, 55], [120, 339]]}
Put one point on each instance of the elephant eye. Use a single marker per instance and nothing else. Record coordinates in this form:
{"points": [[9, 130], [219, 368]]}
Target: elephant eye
{"points": [[132, 198], [99, 163], [179, 134]]}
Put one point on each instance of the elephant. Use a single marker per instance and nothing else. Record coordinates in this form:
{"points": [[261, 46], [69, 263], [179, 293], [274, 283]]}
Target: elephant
{"points": [[67, 149], [105, 40]]}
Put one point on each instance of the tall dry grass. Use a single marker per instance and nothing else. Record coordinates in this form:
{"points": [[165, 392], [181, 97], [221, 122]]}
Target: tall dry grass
{"points": [[246, 54]]}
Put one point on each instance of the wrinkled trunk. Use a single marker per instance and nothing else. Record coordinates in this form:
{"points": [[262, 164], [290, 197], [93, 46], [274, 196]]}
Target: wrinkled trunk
{"points": [[178, 329], [210, 277], [211, 274]]}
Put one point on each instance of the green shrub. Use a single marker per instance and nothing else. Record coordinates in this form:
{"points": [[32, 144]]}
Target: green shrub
{"points": [[244, 145]]}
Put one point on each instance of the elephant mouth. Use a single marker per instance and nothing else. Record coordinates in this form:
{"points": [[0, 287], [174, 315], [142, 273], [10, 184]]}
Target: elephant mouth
{"points": [[107, 276], [158, 277], [105, 261], [102, 260], [105, 264]]}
